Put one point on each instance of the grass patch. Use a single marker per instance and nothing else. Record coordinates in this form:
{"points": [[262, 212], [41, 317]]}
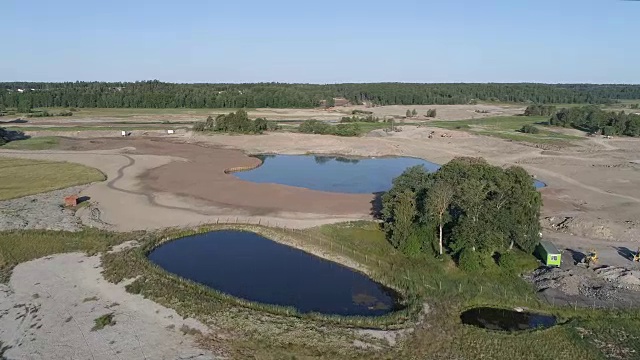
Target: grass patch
{"points": [[102, 321], [508, 127], [272, 332], [22, 177], [34, 143], [20, 246]]}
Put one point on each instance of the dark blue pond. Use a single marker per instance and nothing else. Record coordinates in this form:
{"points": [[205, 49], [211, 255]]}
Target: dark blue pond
{"points": [[334, 173], [252, 267], [506, 320]]}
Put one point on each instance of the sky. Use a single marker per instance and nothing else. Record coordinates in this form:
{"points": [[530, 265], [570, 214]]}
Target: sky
{"points": [[565, 41]]}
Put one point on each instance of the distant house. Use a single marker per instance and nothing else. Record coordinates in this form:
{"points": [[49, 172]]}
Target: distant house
{"points": [[340, 102], [336, 102], [20, 90]]}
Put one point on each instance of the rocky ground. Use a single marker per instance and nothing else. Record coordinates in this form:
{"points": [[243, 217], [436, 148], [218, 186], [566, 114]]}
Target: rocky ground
{"points": [[41, 211], [597, 287]]}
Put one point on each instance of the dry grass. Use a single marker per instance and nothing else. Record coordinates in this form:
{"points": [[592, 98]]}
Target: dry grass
{"points": [[21, 177]]}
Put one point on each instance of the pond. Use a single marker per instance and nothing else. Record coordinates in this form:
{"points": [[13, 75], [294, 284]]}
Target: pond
{"points": [[252, 267], [506, 320], [334, 173]]}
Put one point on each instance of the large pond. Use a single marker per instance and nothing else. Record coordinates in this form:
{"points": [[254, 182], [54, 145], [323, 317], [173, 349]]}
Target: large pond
{"points": [[252, 267], [506, 320], [334, 173]]}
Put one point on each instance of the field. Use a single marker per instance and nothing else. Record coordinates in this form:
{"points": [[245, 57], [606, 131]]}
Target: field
{"points": [[272, 332], [21, 177], [508, 127], [36, 143]]}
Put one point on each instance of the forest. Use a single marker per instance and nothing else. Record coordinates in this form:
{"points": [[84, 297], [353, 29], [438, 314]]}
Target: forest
{"points": [[597, 121], [468, 209], [155, 94]]}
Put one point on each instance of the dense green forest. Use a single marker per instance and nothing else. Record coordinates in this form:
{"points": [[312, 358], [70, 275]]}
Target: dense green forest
{"points": [[155, 94], [597, 121], [468, 208]]}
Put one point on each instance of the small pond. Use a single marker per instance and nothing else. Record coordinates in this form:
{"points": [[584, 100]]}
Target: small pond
{"points": [[252, 267], [334, 173], [506, 320]]}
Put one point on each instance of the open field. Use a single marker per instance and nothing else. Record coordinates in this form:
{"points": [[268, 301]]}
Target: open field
{"points": [[508, 127], [21, 177]]}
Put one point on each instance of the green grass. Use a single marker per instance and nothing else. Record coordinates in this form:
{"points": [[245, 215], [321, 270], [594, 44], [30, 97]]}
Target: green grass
{"points": [[22, 177], [20, 246], [507, 127], [102, 321], [272, 332], [34, 143]]}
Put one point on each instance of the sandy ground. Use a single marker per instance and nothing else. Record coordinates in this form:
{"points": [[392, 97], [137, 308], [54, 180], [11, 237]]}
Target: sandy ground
{"points": [[48, 311], [119, 117], [145, 191]]}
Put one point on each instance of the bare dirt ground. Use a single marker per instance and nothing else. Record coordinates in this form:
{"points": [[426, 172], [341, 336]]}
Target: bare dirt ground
{"points": [[118, 118], [48, 312]]}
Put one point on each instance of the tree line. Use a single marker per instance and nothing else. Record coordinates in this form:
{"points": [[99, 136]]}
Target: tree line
{"points": [[468, 209], [597, 121], [155, 94]]}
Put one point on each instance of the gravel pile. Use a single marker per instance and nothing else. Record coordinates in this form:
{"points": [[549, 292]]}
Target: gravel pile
{"points": [[40, 211]]}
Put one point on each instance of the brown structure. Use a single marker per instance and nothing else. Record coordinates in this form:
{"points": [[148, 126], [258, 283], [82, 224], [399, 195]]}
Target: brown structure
{"points": [[71, 201]]}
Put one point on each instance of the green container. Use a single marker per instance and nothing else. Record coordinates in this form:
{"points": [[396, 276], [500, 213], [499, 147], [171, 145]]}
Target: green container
{"points": [[549, 253]]}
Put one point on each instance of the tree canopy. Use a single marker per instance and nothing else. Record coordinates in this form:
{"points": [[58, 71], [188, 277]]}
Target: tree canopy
{"points": [[596, 120], [469, 204], [235, 122], [155, 94]]}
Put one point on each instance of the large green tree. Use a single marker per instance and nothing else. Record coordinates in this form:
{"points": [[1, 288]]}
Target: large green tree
{"points": [[475, 206]]}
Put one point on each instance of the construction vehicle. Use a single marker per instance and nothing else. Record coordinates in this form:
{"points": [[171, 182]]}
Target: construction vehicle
{"points": [[591, 258], [636, 256]]}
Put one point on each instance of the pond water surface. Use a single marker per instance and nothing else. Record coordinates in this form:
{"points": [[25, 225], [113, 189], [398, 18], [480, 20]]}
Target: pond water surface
{"points": [[506, 320], [334, 173], [252, 267]]}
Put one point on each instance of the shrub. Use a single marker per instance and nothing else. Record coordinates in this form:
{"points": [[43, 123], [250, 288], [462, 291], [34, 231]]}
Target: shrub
{"points": [[469, 260], [102, 321], [529, 129], [352, 129], [608, 131], [431, 113], [314, 127], [507, 261], [199, 126]]}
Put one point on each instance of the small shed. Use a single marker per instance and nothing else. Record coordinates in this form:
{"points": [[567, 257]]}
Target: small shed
{"points": [[549, 253]]}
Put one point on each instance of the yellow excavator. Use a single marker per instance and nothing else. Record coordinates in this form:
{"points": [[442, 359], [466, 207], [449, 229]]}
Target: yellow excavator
{"points": [[591, 258]]}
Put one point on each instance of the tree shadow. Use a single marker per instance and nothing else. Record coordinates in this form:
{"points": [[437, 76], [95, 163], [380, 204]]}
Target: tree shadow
{"points": [[376, 205], [13, 135], [625, 252], [576, 255], [82, 199], [16, 121]]}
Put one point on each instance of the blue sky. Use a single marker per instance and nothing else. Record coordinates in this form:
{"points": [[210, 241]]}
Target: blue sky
{"points": [[321, 41]]}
